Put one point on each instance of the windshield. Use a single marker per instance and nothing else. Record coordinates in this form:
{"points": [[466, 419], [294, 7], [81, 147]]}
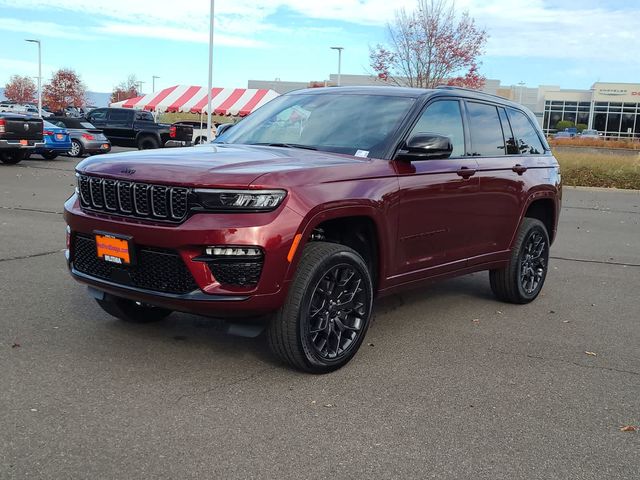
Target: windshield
{"points": [[353, 124]]}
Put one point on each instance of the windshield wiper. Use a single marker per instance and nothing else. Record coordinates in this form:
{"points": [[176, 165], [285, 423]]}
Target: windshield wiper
{"points": [[286, 145]]}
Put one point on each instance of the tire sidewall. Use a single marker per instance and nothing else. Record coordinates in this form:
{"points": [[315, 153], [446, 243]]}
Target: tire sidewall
{"points": [[536, 226], [312, 357]]}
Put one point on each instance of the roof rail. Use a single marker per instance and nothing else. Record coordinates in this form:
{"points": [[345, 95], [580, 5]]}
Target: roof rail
{"points": [[451, 87]]}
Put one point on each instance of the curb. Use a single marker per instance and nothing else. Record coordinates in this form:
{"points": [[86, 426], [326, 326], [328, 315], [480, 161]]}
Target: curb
{"points": [[602, 189]]}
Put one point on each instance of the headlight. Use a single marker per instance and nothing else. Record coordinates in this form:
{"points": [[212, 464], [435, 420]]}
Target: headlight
{"points": [[239, 200]]}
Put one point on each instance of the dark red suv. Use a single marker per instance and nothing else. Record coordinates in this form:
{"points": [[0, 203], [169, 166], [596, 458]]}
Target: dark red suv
{"points": [[313, 206]]}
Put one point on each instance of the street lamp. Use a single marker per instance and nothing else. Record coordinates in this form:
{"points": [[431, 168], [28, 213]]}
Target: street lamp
{"points": [[139, 84], [210, 83], [522, 84], [39, 73], [153, 83], [339, 49]]}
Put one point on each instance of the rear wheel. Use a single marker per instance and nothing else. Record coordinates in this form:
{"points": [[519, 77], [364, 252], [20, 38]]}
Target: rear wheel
{"points": [[131, 311], [522, 280], [327, 312], [12, 157], [76, 149], [147, 143], [49, 155]]}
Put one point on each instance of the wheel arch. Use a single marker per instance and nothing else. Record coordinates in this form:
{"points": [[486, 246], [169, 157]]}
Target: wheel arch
{"points": [[542, 205], [357, 226]]}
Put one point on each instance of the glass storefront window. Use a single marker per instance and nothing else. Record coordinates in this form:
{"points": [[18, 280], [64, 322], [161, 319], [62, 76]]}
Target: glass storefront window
{"points": [[613, 123], [600, 121]]}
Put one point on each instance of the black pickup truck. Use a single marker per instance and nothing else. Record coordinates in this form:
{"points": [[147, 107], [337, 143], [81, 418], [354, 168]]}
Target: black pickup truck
{"points": [[19, 135], [134, 128]]}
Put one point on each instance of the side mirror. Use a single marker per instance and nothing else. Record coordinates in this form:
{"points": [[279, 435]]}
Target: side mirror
{"points": [[425, 146], [223, 128]]}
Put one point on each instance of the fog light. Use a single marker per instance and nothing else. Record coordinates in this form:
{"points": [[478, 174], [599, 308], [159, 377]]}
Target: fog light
{"points": [[68, 237], [233, 251]]}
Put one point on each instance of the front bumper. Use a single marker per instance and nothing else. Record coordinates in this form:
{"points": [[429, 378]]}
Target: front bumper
{"points": [[273, 232]]}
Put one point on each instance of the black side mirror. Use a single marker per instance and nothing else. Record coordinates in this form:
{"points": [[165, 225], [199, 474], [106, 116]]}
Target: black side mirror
{"points": [[425, 146]]}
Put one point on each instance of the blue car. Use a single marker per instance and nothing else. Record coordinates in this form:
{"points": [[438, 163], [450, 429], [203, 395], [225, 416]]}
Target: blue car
{"points": [[56, 141]]}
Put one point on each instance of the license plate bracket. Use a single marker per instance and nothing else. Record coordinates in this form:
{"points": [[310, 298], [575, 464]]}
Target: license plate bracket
{"points": [[114, 248]]}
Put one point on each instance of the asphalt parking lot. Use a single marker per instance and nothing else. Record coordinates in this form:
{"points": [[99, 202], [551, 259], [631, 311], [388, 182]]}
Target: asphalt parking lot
{"points": [[450, 383]]}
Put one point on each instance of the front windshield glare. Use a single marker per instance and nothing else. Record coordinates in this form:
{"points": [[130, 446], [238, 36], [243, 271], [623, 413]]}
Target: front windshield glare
{"points": [[343, 123]]}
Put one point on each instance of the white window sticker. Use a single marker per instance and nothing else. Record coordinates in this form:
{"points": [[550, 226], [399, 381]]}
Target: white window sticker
{"points": [[362, 153]]}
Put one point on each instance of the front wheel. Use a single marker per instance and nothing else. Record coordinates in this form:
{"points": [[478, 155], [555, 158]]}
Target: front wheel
{"points": [[131, 311], [522, 280], [327, 312]]}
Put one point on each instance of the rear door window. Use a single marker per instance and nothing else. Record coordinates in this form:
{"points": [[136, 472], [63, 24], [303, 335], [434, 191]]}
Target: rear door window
{"points": [[119, 117], [443, 118], [486, 130], [527, 140]]}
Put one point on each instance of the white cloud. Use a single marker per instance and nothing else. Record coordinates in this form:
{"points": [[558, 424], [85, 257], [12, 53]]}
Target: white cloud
{"points": [[517, 28], [46, 29]]}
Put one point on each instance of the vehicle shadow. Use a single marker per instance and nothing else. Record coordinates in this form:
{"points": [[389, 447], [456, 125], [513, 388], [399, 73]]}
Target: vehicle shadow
{"points": [[193, 335]]}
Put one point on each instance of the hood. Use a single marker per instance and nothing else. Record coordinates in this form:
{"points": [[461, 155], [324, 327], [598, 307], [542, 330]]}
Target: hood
{"points": [[210, 165]]}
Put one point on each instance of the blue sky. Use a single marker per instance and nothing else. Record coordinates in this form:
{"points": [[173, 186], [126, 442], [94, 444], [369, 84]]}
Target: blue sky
{"points": [[535, 41]]}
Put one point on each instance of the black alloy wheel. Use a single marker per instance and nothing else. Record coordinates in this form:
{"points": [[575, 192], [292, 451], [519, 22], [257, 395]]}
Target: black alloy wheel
{"points": [[325, 317], [336, 312], [522, 279], [533, 265]]}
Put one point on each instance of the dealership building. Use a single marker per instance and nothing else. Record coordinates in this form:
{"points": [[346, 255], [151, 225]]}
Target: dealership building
{"points": [[612, 109]]}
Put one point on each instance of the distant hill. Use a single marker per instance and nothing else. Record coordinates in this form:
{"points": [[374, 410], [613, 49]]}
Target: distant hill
{"points": [[96, 99]]}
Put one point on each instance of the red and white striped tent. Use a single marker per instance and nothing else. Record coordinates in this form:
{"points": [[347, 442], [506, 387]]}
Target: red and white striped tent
{"points": [[193, 99]]}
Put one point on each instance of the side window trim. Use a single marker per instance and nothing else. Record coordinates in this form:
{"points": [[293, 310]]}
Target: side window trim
{"points": [[536, 129], [462, 118], [507, 130]]}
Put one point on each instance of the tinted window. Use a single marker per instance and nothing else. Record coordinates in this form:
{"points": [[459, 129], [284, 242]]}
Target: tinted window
{"points": [[146, 116], [486, 130], [527, 139], [119, 116], [98, 115], [508, 133], [443, 118]]}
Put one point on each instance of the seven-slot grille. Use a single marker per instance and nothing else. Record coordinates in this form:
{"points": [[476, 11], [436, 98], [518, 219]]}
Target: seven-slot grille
{"points": [[141, 200]]}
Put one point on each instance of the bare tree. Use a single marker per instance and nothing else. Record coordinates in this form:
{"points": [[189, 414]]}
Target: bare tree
{"points": [[431, 46]]}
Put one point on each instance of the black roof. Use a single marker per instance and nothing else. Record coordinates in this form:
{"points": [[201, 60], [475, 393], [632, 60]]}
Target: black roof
{"points": [[407, 92]]}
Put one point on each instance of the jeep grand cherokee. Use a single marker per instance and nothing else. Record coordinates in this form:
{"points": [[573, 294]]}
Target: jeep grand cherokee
{"points": [[313, 206]]}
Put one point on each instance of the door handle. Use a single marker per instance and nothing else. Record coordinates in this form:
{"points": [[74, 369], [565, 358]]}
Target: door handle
{"points": [[519, 169], [466, 172]]}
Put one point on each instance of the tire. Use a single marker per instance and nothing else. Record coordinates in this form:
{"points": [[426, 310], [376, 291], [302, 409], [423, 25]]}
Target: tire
{"points": [[132, 312], [49, 155], [200, 140], [325, 340], [77, 150], [13, 157], [147, 143], [530, 251]]}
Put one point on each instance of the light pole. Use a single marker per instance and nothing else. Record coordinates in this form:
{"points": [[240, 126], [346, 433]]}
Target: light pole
{"points": [[153, 83], [339, 49], [139, 84], [210, 83], [39, 74], [522, 84]]}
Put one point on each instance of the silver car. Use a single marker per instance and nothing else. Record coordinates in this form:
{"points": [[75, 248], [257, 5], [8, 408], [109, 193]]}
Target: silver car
{"points": [[85, 138]]}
